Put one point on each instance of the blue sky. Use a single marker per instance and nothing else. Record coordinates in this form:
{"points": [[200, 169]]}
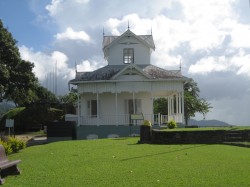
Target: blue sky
{"points": [[211, 38], [20, 19]]}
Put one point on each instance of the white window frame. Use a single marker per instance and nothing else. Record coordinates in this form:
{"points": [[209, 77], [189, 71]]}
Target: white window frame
{"points": [[128, 55], [92, 109]]}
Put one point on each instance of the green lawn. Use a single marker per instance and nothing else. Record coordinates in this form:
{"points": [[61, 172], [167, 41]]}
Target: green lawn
{"points": [[233, 128], [123, 162]]}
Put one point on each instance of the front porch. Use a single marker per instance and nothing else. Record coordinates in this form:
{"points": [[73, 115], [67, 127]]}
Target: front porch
{"points": [[113, 103], [125, 119]]}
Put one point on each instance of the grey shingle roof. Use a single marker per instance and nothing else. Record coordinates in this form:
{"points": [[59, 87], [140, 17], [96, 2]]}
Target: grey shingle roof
{"points": [[107, 72]]}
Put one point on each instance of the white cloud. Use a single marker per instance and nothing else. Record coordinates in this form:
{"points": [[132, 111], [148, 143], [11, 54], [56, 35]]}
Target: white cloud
{"points": [[82, 1], [239, 63], [58, 6], [208, 11], [240, 36], [45, 63], [242, 62], [70, 34], [54, 7], [210, 64], [86, 66]]}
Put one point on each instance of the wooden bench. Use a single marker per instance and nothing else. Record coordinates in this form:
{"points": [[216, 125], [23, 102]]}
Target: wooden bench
{"points": [[7, 167], [136, 117]]}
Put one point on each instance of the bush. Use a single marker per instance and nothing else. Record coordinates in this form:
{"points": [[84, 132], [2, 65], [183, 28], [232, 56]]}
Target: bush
{"points": [[7, 147], [31, 118], [12, 145], [171, 124], [16, 144], [146, 123]]}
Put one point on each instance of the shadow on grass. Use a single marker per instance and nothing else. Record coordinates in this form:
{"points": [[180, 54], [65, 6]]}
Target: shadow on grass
{"points": [[239, 144], [167, 152], [119, 138]]}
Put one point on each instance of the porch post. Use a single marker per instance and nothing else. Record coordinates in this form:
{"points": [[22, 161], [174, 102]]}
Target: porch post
{"points": [[152, 103], [78, 109], [179, 112], [116, 108], [179, 103], [183, 119], [97, 103], [168, 108], [134, 102], [176, 104], [172, 104]]}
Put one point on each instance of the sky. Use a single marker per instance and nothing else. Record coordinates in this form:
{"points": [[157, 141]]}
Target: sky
{"points": [[210, 38]]}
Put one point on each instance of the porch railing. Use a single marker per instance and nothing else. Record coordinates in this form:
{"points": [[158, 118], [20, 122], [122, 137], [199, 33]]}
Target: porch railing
{"points": [[124, 119]]}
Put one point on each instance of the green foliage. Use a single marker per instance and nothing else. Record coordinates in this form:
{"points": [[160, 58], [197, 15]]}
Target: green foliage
{"points": [[70, 98], [17, 78], [171, 124], [11, 114], [16, 144], [12, 145], [29, 118], [192, 102], [146, 123], [43, 94], [7, 147], [160, 106]]}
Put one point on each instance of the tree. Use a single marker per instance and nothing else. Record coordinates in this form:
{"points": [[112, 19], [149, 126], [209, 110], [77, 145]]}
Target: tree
{"points": [[192, 102], [44, 95], [70, 98], [160, 106], [17, 79]]}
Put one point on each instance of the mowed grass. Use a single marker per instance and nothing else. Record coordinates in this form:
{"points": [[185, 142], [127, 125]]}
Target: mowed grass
{"points": [[123, 162], [233, 128]]}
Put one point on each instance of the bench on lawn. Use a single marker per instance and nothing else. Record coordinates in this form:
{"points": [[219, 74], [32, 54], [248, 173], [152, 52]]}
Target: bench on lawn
{"points": [[7, 167], [136, 117]]}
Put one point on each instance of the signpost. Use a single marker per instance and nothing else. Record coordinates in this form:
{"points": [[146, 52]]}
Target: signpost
{"points": [[10, 124]]}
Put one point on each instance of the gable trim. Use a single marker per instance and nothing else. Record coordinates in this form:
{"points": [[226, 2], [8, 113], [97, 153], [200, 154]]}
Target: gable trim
{"points": [[131, 66]]}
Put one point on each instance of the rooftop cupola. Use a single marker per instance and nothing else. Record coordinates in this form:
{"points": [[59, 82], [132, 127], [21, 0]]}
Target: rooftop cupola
{"points": [[128, 48]]}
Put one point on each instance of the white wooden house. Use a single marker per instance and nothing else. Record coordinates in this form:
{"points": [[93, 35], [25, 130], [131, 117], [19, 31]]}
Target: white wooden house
{"points": [[128, 84]]}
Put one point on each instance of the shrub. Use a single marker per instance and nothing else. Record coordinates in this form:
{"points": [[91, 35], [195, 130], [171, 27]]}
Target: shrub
{"points": [[12, 145], [16, 144], [7, 147], [146, 123], [171, 124]]}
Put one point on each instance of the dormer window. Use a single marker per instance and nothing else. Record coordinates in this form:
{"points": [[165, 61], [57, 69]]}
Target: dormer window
{"points": [[128, 55]]}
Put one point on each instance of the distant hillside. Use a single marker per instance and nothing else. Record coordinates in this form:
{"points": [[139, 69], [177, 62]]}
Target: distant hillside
{"points": [[215, 123]]}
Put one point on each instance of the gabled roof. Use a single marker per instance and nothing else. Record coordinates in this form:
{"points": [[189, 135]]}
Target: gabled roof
{"points": [[110, 72], [108, 41], [130, 67]]}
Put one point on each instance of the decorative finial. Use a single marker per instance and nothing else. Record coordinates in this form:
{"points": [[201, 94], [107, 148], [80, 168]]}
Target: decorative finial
{"points": [[128, 25], [103, 33], [75, 67], [180, 64]]}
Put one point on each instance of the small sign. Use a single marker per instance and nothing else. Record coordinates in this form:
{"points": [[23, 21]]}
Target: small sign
{"points": [[137, 117], [9, 123]]}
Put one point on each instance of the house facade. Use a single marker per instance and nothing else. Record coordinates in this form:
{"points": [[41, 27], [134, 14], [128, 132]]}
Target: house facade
{"points": [[128, 85]]}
